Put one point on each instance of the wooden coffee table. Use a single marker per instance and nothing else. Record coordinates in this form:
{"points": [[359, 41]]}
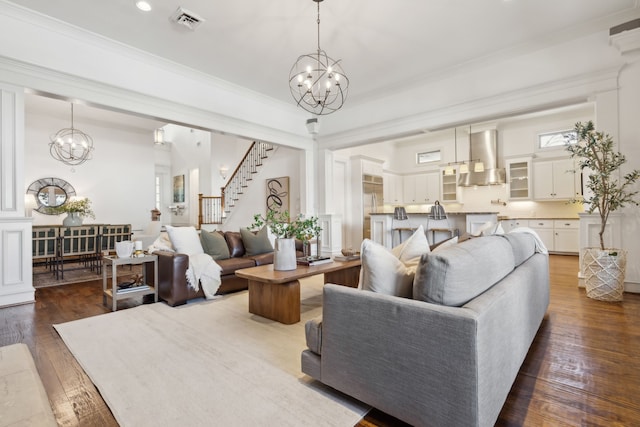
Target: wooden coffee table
{"points": [[276, 294]]}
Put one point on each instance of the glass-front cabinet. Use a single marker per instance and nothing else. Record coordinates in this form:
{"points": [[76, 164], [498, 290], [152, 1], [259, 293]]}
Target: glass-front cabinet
{"points": [[519, 178], [449, 185]]}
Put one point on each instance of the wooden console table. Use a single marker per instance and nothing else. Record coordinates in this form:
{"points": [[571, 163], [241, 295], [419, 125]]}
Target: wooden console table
{"points": [[276, 294]]}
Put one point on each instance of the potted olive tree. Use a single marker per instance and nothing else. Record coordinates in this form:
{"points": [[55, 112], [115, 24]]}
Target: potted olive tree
{"points": [[604, 267]]}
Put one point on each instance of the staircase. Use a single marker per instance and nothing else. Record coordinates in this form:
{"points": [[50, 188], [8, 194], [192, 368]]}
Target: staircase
{"points": [[213, 209]]}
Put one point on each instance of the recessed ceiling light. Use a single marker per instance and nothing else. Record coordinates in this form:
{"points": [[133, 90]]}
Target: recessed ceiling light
{"points": [[143, 6]]}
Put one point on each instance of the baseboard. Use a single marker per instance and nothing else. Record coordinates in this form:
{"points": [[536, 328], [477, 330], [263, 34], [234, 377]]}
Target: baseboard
{"points": [[25, 297]]}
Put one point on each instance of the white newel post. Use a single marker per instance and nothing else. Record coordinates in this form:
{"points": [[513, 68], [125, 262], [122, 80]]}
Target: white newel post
{"points": [[16, 280]]}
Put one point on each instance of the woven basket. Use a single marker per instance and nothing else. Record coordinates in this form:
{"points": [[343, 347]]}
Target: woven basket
{"points": [[604, 273]]}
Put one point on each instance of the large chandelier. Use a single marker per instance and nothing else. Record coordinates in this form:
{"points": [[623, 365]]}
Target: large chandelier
{"points": [[71, 146], [317, 82]]}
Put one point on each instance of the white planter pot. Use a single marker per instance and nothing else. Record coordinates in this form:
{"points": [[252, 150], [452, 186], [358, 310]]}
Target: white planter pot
{"points": [[73, 219], [284, 255], [604, 273]]}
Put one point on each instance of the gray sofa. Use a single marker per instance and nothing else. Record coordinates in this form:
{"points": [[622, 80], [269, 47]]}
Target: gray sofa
{"points": [[449, 356]]}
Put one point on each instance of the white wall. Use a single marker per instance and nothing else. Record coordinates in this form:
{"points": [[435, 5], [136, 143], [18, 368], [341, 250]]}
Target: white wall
{"points": [[119, 180], [283, 162], [628, 140], [190, 152]]}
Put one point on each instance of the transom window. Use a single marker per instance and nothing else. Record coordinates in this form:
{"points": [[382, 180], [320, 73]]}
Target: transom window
{"points": [[557, 139], [428, 157]]}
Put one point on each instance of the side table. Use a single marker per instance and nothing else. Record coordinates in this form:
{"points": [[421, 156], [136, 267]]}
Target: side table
{"points": [[112, 291]]}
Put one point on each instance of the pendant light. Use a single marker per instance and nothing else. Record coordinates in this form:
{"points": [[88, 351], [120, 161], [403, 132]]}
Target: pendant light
{"points": [[71, 146], [317, 83]]}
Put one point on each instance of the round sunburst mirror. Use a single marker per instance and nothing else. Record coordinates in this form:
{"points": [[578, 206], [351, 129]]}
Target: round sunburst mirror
{"points": [[50, 193]]}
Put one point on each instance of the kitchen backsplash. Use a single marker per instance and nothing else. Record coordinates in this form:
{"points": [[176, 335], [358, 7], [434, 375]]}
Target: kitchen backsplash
{"points": [[480, 200]]}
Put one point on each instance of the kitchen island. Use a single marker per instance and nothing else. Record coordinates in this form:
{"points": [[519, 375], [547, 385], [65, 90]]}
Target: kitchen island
{"points": [[383, 224]]}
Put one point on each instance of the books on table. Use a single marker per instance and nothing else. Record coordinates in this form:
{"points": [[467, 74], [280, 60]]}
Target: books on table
{"points": [[124, 288], [313, 260], [346, 258]]}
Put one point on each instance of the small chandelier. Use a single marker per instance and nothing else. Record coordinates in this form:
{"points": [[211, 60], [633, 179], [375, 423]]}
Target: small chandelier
{"points": [[71, 146], [317, 82]]}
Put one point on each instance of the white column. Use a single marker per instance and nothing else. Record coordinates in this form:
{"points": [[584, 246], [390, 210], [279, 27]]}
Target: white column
{"points": [[16, 280], [331, 236]]}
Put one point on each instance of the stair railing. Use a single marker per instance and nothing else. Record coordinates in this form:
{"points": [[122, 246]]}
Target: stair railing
{"points": [[213, 209]]}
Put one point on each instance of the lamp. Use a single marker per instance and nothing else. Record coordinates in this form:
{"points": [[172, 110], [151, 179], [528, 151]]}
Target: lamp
{"points": [[223, 171], [317, 82], [71, 146], [400, 213], [158, 136]]}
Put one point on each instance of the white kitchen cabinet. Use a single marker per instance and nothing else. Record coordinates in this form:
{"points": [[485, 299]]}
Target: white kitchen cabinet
{"points": [[421, 188], [372, 167], [558, 235], [392, 189], [510, 224], [475, 221], [518, 178], [449, 187], [566, 235], [554, 180], [544, 228]]}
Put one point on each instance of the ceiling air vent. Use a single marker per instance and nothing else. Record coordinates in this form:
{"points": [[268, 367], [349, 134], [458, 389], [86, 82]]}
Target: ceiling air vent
{"points": [[186, 18]]}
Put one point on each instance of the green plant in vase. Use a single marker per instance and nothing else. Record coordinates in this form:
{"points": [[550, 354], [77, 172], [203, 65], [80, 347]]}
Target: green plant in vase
{"points": [[76, 209], [306, 230]]}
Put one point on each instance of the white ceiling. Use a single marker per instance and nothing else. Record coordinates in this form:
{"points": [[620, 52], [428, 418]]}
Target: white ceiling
{"points": [[384, 45]]}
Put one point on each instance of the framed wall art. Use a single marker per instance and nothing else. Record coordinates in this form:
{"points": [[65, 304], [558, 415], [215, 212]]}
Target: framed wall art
{"points": [[178, 189], [278, 194]]}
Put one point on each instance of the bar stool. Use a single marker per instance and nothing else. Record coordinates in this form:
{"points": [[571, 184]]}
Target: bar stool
{"points": [[400, 214], [438, 222]]}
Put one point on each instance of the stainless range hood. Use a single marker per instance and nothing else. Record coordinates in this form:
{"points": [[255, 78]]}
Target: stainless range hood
{"points": [[483, 147]]}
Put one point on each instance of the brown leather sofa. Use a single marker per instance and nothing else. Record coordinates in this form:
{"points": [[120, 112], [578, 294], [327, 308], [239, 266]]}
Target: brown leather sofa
{"points": [[172, 268]]}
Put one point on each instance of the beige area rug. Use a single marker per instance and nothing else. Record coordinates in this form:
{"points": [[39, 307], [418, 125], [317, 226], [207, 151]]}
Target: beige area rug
{"points": [[75, 273], [208, 363]]}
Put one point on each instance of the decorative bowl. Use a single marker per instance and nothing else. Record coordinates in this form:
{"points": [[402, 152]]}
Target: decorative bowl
{"points": [[349, 252]]}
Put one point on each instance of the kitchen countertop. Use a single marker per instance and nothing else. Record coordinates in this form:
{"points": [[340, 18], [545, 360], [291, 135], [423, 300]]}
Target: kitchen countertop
{"points": [[500, 217], [448, 213], [507, 218]]}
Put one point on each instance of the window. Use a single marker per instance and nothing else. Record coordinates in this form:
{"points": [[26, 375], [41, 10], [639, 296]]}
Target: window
{"points": [[428, 157], [557, 139]]}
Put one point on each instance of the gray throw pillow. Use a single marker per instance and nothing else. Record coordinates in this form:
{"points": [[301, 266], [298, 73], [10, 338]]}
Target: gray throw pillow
{"points": [[214, 245], [256, 244]]}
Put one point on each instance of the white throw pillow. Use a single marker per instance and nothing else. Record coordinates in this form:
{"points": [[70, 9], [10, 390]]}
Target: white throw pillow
{"points": [[449, 242], [162, 243], [185, 240], [410, 251], [383, 272]]}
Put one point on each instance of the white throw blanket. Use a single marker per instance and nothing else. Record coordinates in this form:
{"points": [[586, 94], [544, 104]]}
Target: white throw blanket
{"points": [[540, 247], [204, 270]]}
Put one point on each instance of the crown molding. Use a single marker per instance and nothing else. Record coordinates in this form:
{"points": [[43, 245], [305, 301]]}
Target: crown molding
{"points": [[567, 91]]}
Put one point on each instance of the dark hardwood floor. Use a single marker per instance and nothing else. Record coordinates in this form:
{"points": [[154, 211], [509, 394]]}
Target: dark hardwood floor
{"points": [[582, 369]]}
